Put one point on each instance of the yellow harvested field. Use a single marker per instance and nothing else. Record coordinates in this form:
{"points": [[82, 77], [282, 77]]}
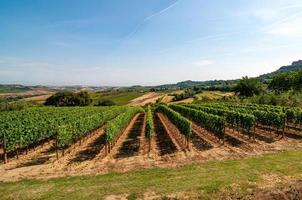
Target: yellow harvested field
{"points": [[214, 94], [167, 99], [150, 97], [188, 100], [38, 98]]}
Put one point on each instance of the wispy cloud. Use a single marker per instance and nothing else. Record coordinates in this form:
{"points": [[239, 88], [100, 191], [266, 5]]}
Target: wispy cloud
{"points": [[293, 29], [279, 20], [149, 18], [212, 37], [290, 26], [161, 11]]}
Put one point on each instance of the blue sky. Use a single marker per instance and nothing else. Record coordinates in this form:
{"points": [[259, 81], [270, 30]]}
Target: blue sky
{"points": [[147, 42]]}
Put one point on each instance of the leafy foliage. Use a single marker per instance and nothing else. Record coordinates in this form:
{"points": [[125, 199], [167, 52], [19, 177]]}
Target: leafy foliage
{"points": [[105, 103], [149, 123], [265, 115], [248, 87], [233, 118], [184, 125], [115, 126], [186, 94], [210, 122], [69, 99], [30, 126], [282, 82]]}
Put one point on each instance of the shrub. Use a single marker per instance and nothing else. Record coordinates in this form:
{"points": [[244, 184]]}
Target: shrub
{"points": [[69, 99], [106, 103]]}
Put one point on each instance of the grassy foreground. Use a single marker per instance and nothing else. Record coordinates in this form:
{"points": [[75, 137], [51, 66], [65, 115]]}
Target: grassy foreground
{"points": [[208, 180]]}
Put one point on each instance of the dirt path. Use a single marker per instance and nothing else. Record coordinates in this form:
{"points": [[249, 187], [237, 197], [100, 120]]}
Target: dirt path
{"points": [[123, 137], [209, 138], [40, 155], [164, 144], [143, 148], [132, 144], [172, 132], [82, 151], [42, 162]]}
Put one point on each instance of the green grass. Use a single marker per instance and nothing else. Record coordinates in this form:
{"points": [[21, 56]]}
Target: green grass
{"points": [[12, 89], [209, 180], [119, 98]]}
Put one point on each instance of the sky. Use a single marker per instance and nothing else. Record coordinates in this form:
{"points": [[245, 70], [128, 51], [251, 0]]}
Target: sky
{"points": [[145, 42]]}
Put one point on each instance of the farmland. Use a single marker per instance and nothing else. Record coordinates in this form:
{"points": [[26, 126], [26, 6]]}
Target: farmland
{"points": [[50, 142], [119, 98]]}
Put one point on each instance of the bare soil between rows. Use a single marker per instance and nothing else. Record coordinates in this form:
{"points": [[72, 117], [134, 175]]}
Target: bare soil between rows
{"points": [[167, 149]]}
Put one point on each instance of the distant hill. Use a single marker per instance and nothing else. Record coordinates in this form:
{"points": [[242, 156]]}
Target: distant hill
{"points": [[264, 78], [190, 84], [297, 65], [15, 88]]}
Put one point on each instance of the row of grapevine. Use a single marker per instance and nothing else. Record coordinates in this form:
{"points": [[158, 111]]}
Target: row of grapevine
{"points": [[73, 130], [235, 119], [183, 124], [149, 123], [21, 129], [291, 114], [273, 119], [210, 122], [115, 127]]}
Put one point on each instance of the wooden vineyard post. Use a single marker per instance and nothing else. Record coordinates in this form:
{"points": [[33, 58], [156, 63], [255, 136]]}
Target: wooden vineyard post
{"points": [[57, 151], [223, 137], [188, 143], [254, 134], [106, 148], [4, 149], [149, 145]]}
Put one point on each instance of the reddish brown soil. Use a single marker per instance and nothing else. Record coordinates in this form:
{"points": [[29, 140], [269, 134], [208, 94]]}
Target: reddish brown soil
{"points": [[143, 148], [167, 150], [173, 132], [164, 143], [131, 145], [39, 155]]}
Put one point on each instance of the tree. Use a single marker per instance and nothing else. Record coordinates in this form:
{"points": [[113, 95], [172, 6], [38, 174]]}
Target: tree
{"points": [[282, 82], [106, 103], [248, 87], [83, 98], [297, 82], [69, 99]]}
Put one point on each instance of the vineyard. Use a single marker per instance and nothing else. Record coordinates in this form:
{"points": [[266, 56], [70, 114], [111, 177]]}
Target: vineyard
{"points": [[50, 140]]}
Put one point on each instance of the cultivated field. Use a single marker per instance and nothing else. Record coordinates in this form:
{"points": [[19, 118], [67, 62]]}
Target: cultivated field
{"points": [[43, 143], [119, 98]]}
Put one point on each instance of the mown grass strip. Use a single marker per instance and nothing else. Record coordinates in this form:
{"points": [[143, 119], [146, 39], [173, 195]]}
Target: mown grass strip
{"points": [[207, 180]]}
